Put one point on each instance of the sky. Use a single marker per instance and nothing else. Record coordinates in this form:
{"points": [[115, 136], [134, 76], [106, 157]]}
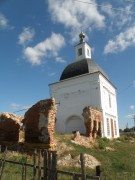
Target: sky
{"points": [[37, 39]]}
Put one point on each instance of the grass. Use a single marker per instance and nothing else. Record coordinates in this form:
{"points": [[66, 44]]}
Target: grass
{"points": [[118, 164]]}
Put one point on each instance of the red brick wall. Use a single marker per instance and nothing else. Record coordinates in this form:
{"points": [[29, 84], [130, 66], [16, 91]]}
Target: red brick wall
{"points": [[39, 122], [9, 127], [92, 119]]}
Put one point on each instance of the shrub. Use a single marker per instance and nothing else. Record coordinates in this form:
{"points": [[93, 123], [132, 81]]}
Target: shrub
{"points": [[121, 138], [124, 138], [101, 145], [102, 142], [105, 139]]}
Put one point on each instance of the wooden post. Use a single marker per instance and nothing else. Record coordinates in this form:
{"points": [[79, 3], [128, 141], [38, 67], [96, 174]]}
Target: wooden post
{"points": [[75, 177], [34, 164], [3, 164], [23, 171], [45, 165], [6, 150], [39, 165], [53, 166], [82, 159], [98, 171], [49, 164]]}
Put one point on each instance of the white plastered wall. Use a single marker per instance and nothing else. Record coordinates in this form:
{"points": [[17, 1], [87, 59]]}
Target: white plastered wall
{"points": [[87, 90], [74, 95], [109, 107]]}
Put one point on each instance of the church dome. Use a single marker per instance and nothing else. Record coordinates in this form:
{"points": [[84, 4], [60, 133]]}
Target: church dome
{"points": [[84, 66]]}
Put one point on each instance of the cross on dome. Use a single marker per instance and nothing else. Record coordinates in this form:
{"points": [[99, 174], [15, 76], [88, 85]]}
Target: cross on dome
{"points": [[81, 36], [83, 50]]}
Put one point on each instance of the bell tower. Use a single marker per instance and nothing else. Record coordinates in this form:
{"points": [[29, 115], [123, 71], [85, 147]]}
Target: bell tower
{"points": [[83, 50]]}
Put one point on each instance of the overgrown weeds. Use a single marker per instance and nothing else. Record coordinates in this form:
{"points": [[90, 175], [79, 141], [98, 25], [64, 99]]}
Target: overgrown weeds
{"points": [[118, 164]]}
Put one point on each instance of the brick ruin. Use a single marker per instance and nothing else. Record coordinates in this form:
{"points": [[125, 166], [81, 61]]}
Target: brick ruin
{"points": [[37, 125], [9, 127], [92, 119], [39, 122]]}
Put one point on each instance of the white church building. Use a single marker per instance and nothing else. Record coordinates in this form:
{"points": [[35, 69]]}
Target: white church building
{"points": [[83, 83]]}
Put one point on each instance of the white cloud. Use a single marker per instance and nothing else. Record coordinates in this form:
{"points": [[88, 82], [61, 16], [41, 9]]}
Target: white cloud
{"points": [[52, 74], [15, 106], [132, 107], [121, 42], [130, 116], [75, 15], [118, 18], [125, 17], [26, 36], [107, 9], [18, 107], [3, 21], [60, 60], [47, 48]]}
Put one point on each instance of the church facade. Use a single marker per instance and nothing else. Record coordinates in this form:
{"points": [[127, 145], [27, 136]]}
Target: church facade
{"points": [[84, 84]]}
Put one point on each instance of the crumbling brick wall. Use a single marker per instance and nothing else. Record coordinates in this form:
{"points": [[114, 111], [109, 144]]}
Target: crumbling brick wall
{"points": [[39, 122], [92, 119], [9, 127]]}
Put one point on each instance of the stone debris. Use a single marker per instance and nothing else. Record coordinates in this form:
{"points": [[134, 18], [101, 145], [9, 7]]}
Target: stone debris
{"points": [[76, 135], [90, 161], [65, 157], [9, 126], [109, 149], [84, 141]]}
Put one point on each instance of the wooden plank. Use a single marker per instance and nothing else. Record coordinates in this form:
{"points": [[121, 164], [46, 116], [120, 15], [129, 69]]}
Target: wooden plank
{"points": [[78, 174], [75, 177], [58, 171], [24, 172], [98, 171], [39, 165], [45, 164], [82, 159], [3, 164], [49, 164], [49, 168], [34, 164], [53, 173]]}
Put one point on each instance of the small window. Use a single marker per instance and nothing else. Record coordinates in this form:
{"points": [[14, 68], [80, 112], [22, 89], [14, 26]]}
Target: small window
{"points": [[110, 104], [88, 52], [108, 127], [79, 51], [115, 128]]}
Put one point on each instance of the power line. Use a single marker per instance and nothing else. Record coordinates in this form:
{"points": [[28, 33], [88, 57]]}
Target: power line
{"points": [[20, 110], [29, 108], [105, 6], [130, 1], [126, 88]]}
